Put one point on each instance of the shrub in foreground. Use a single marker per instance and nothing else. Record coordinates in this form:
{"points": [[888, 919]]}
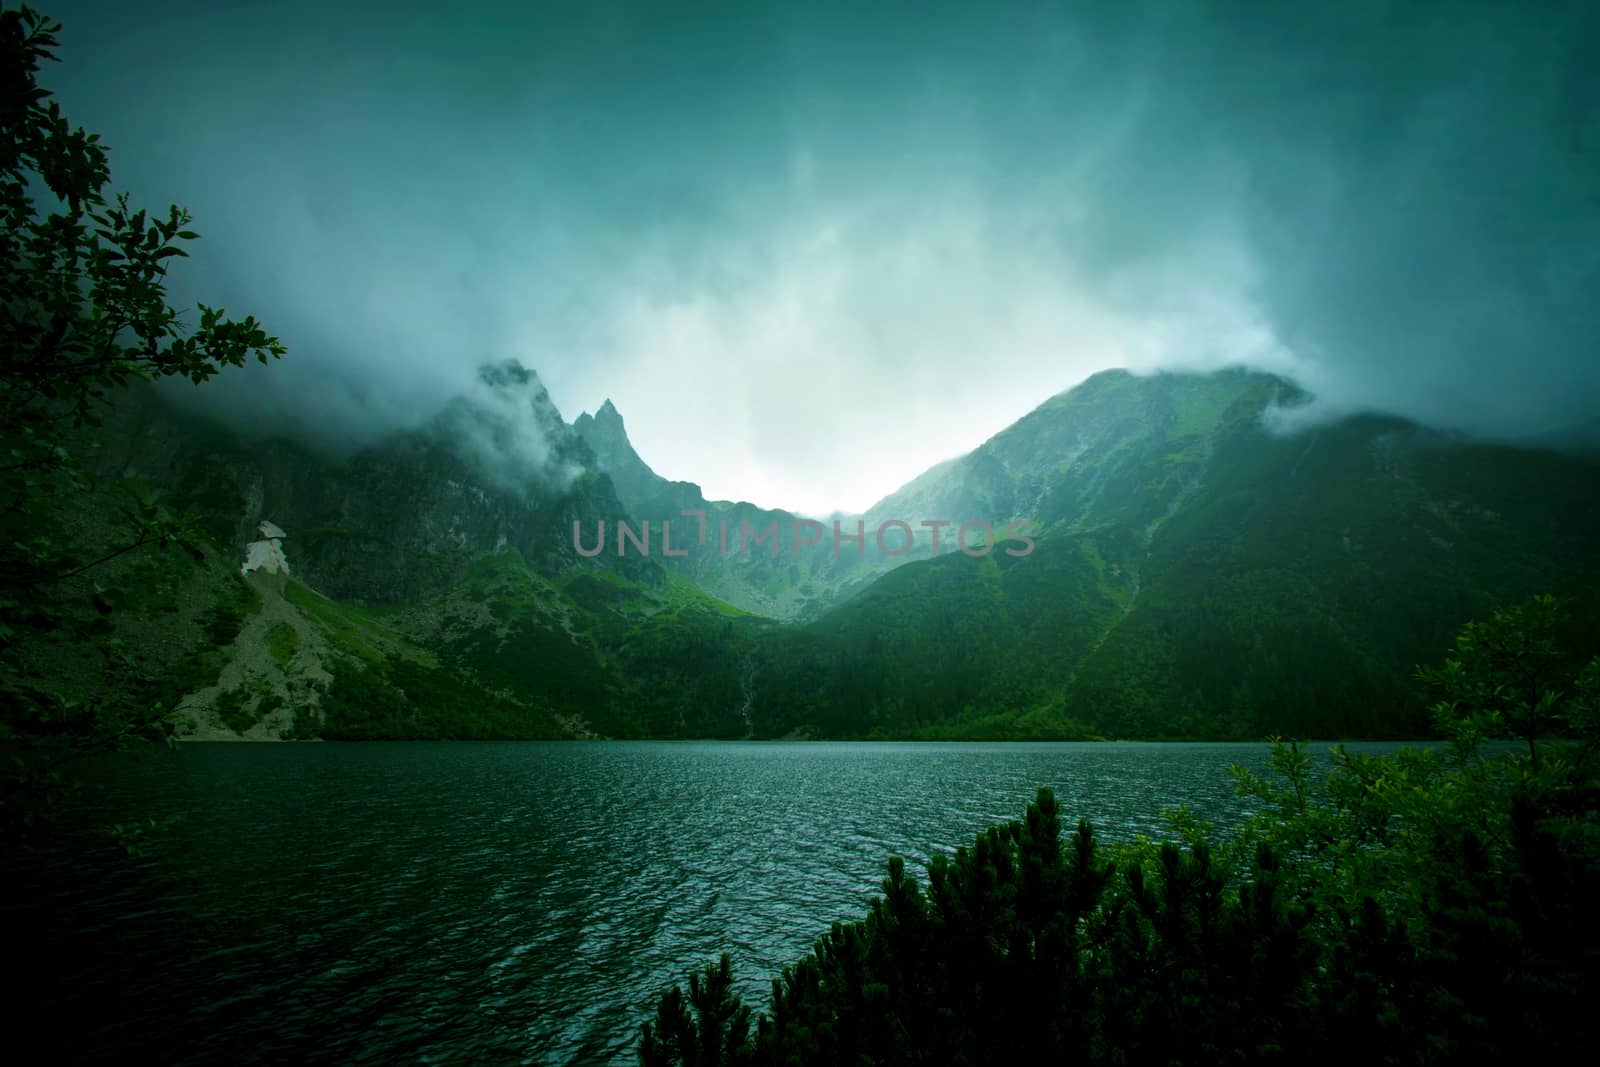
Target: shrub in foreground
{"points": [[1420, 907]]}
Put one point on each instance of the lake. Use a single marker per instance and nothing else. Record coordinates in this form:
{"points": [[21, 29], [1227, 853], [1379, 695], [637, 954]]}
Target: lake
{"points": [[505, 902]]}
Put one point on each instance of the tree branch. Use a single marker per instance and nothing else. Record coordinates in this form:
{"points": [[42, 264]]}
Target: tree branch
{"points": [[107, 558]]}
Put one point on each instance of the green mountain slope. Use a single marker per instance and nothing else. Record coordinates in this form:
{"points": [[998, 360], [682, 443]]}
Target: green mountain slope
{"points": [[1192, 574], [1297, 589], [436, 590], [1197, 575]]}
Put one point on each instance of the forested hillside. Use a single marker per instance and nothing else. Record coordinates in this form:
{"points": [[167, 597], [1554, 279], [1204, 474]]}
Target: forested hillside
{"points": [[1197, 575], [1190, 572]]}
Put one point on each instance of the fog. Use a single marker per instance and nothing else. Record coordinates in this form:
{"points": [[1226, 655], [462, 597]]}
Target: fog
{"points": [[809, 251]]}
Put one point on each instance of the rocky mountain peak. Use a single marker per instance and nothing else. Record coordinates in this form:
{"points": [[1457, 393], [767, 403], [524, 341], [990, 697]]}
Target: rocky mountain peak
{"points": [[509, 374], [606, 426], [607, 437]]}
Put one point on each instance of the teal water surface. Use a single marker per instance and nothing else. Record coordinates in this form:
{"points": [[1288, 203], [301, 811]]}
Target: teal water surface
{"points": [[516, 903]]}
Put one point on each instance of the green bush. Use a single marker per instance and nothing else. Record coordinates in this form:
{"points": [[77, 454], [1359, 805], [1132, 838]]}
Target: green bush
{"points": [[236, 709], [1415, 909], [405, 701], [283, 641]]}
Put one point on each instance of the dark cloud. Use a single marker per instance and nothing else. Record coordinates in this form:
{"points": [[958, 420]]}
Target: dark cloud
{"points": [[810, 249]]}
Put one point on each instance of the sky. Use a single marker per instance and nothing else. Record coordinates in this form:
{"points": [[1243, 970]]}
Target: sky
{"points": [[810, 249]]}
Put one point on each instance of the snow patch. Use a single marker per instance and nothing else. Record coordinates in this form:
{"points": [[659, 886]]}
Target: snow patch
{"points": [[267, 553]]}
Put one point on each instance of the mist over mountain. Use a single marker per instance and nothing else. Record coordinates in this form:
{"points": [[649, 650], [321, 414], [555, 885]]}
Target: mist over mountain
{"points": [[402, 517], [1207, 388], [746, 224], [741, 553], [1185, 569]]}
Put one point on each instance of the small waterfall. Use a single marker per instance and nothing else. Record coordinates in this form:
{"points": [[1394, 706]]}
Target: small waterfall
{"points": [[747, 680]]}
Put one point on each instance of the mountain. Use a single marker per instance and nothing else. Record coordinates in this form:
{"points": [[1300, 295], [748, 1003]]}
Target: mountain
{"points": [[448, 546], [1187, 571], [768, 576], [1076, 459], [401, 520], [1116, 450], [1195, 574], [641, 490]]}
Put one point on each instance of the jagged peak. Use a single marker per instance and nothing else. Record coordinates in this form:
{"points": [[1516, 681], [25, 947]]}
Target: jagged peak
{"points": [[508, 373], [517, 388], [604, 429], [606, 416]]}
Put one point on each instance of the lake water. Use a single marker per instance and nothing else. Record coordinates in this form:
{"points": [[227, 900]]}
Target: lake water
{"points": [[502, 903]]}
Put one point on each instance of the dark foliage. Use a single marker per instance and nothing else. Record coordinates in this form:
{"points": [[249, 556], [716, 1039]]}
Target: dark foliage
{"points": [[84, 312], [1429, 906], [406, 701], [1468, 935]]}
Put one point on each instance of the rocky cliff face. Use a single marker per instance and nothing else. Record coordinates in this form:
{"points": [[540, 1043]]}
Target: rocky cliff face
{"points": [[638, 487], [401, 520], [785, 585]]}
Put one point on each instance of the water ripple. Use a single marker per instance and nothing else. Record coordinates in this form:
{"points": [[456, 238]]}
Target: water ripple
{"points": [[502, 903]]}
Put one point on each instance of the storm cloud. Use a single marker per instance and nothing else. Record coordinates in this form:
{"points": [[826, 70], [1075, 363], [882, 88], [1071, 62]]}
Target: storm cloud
{"points": [[810, 249]]}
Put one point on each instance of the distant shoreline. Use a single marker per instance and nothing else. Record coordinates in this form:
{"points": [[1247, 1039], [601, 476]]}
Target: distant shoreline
{"points": [[819, 740]]}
